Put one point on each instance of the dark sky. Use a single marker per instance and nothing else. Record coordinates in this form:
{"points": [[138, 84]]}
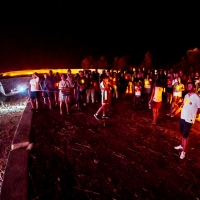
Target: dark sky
{"points": [[60, 35]]}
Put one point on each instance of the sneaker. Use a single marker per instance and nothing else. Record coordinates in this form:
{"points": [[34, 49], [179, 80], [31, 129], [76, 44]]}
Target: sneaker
{"points": [[178, 147], [105, 117], [96, 116], [182, 156], [172, 115], [169, 114], [84, 104]]}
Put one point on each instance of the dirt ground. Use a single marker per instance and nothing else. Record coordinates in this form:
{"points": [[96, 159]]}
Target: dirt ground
{"points": [[124, 157], [10, 114]]}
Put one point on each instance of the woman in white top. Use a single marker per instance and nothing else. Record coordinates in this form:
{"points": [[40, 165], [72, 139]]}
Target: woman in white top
{"points": [[34, 91], [64, 93], [156, 99]]}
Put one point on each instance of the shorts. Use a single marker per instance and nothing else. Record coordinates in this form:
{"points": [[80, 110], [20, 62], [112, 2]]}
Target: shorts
{"points": [[156, 105], [34, 94], [63, 98], [177, 94], [185, 128]]}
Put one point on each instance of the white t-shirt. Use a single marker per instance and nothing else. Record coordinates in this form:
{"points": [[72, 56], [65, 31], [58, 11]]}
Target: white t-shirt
{"points": [[138, 90], [34, 84], [158, 94], [190, 107]]}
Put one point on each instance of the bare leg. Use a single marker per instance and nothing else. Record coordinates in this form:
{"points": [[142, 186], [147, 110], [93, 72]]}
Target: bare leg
{"points": [[36, 103], [104, 109], [32, 103], [184, 143], [61, 108], [50, 104], [99, 110], [67, 106]]}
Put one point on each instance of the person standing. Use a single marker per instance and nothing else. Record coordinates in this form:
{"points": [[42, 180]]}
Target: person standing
{"points": [[64, 93], [104, 86], [191, 106], [156, 99], [50, 87], [34, 91]]}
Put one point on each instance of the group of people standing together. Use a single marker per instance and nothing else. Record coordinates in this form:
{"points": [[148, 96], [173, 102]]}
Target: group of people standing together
{"points": [[147, 87]]}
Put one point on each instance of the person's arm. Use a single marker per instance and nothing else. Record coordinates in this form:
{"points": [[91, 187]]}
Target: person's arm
{"points": [[152, 94]]}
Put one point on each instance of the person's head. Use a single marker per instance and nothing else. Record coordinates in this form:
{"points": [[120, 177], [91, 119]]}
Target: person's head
{"points": [[179, 79], [69, 71], [190, 87], [45, 75], [34, 75], [138, 83], [63, 76], [81, 73], [50, 72]]}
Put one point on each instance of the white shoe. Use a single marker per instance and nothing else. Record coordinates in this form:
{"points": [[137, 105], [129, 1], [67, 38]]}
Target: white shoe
{"points": [[182, 156], [178, 147]]}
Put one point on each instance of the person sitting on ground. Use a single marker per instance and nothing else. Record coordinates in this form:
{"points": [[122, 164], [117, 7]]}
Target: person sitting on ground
{"points": [[175, 108]]}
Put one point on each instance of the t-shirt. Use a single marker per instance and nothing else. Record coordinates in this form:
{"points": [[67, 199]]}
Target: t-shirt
{"points": [[158, 94], [138, 90], [147, 83], [34, 84], [190, 107], [64, 85]]}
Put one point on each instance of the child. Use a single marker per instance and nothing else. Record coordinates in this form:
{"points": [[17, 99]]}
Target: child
{"points": [[104, 86], [138, 92]]}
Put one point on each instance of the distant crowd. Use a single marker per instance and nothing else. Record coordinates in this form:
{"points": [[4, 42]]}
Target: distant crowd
{"points": [[148, 87], [85, 87]]}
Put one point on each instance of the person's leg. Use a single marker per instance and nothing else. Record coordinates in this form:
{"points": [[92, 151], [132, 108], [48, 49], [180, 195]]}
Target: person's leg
{"points": [[154, 115], [67, 106], [32, 103], [61, 107], [88, 92], [184, 143], [77, 98], [99, 110], [93, 95], [50, 103], [36, 103], [105, 109]]}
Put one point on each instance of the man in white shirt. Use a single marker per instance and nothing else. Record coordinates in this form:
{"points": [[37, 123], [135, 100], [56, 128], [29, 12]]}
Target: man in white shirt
{"points": [[191, 106], [34, 91]]}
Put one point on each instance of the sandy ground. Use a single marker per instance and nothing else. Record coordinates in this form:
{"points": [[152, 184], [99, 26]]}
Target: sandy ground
{"points": [[10, 115], [124, 157]]}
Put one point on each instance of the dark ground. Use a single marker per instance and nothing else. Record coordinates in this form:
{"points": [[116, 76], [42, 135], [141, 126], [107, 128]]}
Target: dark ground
{"points": [[11, 110], [78, 157]]}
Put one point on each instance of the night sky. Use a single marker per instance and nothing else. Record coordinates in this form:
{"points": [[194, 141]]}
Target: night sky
{"points": [[60, 35]]}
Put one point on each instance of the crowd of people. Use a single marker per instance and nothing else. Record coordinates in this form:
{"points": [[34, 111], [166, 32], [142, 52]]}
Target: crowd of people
{"points": [[148, 87]]}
